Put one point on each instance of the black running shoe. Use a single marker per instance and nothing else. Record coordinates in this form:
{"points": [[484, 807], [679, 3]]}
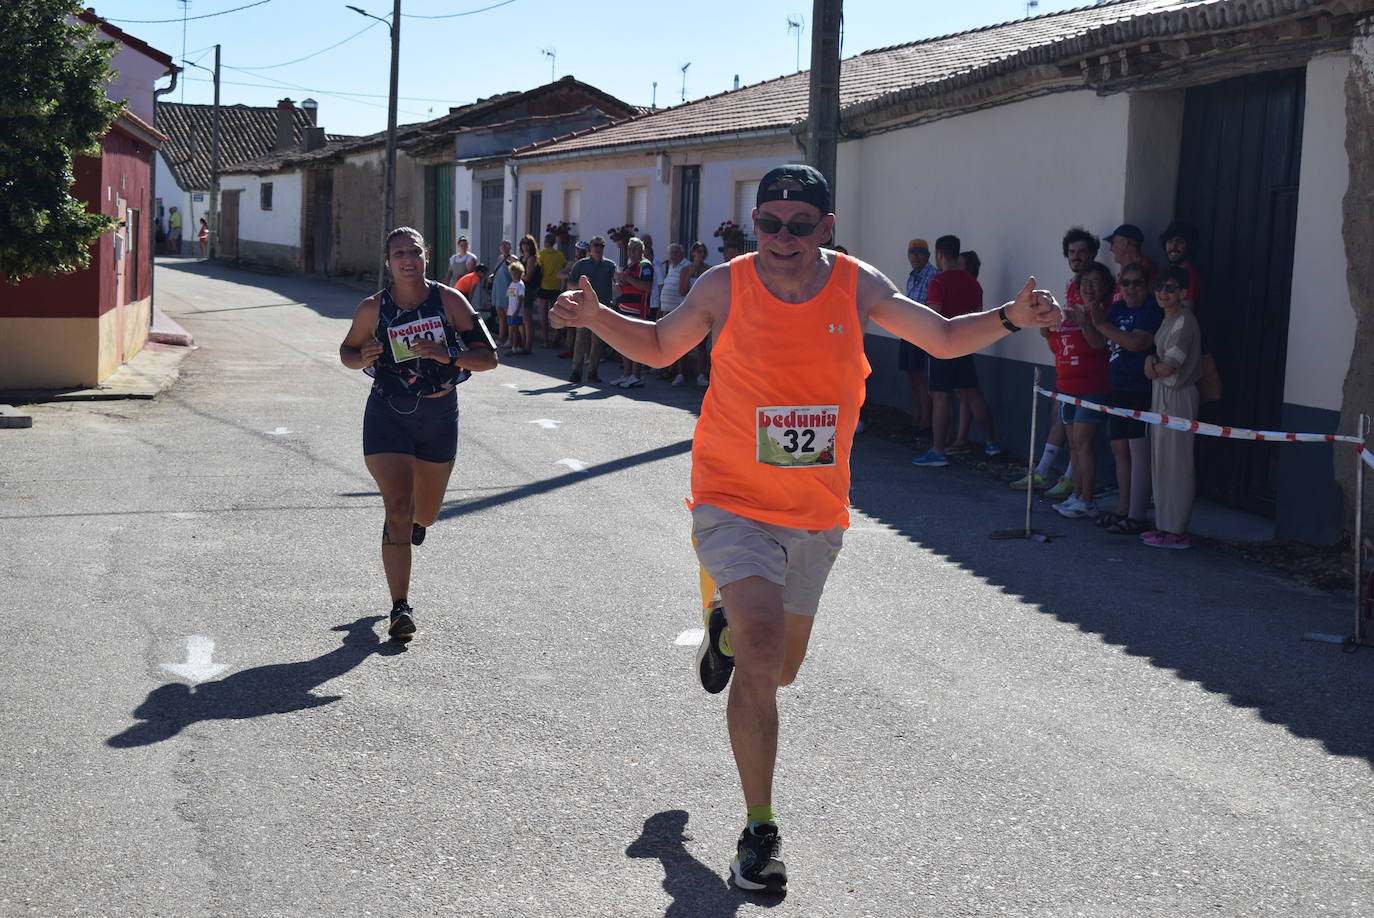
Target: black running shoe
{"points": [[715, 657], [417, 534], [758, 865], [402, 621]]}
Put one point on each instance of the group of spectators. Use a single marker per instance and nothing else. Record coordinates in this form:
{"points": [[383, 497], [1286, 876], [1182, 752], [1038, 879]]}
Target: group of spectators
{"points": [[1130, 339], [515, 293]]}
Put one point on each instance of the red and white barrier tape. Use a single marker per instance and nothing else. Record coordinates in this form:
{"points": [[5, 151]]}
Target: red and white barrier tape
{"points": [[1211, 430]]}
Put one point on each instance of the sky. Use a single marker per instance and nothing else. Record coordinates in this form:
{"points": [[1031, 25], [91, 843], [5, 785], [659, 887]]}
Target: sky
{"points": [[471, 49]]}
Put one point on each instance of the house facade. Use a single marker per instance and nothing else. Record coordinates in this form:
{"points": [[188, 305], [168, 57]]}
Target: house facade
{"points": [[74, 330], [326, 204], [1235, 116]]}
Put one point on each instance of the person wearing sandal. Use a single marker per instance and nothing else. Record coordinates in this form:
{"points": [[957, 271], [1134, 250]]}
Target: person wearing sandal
{"points": [[1175, 372], [1128, 329]]}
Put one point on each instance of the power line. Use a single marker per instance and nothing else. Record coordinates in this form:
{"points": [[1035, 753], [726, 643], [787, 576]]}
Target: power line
{"points": [[368, 95], [371, 25], [456, 15], [187, 18], [356, 97]]}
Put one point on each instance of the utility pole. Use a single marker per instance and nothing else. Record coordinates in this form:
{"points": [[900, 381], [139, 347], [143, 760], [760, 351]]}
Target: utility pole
{"points": [[823, 115], [389, 202], [212, 247], [212, 213]]}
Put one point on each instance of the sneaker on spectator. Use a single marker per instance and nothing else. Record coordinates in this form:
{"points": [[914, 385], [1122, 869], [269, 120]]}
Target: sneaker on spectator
{"points": [[1161, 539], [703, 380], [1075, 508], [1034, 479], [991, 449], [931, 459], [618, 380], [1062, 490], [678, 381]]}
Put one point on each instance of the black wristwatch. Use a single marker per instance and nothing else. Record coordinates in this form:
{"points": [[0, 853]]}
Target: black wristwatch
{"points": [[1008, 324], [453, 353]]}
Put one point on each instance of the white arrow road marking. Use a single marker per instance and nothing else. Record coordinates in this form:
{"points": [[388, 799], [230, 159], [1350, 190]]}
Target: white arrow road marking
{"points": [[690, 638], [547, 424], [197, 668], [280, 431], [577, 465]]}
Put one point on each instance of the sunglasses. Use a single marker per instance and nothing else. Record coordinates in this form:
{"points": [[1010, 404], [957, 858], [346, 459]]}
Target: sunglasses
{"points": [[1167, 288], [799, 228], [1137, 282]]}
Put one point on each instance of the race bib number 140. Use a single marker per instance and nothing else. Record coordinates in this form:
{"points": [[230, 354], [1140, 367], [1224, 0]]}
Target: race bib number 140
{"points": [[431, 329], [797, 437]]}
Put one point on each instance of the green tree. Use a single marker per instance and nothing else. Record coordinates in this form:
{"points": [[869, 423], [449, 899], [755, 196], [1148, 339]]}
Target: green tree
{"points": [[52, 107]]}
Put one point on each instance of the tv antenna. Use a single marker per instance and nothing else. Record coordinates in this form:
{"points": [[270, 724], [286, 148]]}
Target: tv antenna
{"points": [[552, 55], [684, 80], [1031, 7], [796, 24]]}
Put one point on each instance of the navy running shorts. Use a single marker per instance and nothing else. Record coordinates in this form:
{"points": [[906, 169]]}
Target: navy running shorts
{"points": [[948, 375], [426, 428]]}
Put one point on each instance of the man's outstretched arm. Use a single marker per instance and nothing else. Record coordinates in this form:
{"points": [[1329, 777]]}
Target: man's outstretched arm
{"points": [[944, 338]]}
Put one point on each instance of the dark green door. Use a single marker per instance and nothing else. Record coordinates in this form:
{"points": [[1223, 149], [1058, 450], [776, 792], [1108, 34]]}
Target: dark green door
{"points": [[441, 235], [1238, 182]]}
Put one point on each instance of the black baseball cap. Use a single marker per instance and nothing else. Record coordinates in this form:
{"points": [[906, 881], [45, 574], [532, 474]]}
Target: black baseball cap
{"points": [[1130, 231], [795, 182]]}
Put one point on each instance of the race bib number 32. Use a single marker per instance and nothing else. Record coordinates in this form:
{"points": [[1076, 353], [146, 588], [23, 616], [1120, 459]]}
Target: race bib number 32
{"points": [[798, 437], [401, 336]]}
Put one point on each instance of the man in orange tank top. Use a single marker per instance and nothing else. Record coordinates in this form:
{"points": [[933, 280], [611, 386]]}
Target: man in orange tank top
{"points": [[770, 458]]}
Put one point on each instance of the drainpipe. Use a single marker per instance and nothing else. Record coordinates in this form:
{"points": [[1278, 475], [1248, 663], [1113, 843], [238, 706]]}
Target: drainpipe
{"points": [[514, 203], [152, 194]]}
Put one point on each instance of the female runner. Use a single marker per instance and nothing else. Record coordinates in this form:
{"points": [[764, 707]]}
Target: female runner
{"points": [[417, 339]]}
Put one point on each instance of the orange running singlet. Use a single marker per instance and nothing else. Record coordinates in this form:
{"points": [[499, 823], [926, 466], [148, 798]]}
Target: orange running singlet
{"points": [[787, 380]]}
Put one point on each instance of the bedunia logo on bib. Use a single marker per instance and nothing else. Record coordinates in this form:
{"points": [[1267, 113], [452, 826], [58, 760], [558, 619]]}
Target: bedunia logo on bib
{"points": [[798, 437], [401, 336]]}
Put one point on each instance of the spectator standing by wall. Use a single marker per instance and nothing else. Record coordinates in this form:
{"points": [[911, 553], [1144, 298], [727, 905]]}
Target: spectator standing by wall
{"points": [[634, 283], [670, 297], [1128, 329], [1125, 242], [954, 293], [516, 319], [911, 360], [1081, 369], [551, 265], [203, 236], [1174, 368], [695, 268], [600, 272], [459, 263], [500, 280], [174, 229]]}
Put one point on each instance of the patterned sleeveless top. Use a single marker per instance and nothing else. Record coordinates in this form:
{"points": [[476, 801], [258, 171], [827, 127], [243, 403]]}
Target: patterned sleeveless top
{"points": [[399, 370]]}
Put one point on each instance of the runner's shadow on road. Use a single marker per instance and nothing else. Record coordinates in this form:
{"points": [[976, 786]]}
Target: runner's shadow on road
{"points": [[279, 688], [696, 890]]}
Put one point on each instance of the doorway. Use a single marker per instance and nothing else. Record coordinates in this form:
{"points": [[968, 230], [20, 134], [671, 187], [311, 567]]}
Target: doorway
{"points": [[229, 223], [688, 205], [1238, 183]]}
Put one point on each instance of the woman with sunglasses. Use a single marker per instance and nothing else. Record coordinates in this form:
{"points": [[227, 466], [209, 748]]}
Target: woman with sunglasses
{"points": [[1175, 368], [1127, 328], [696, 267]]}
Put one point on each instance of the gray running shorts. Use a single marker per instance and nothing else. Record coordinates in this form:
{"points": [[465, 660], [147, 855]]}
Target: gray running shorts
{"points": [[731, 547]]}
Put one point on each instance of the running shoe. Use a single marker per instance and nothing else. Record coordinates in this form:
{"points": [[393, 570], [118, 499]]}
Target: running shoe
{"points": [[417, 534], [402, 621], [1062, 490], [703, 380], [758, 865], [631, 382], [715, 656], [618, 380], [1075, 508], [678, 381], [991, 449], [575, 377], [931, 459], [1034, 479], [1161, 539]]}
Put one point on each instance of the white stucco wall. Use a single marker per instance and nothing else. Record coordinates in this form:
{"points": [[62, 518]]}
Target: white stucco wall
{"points": [[1007, 181], [279, 226], [604, 180], [134, 80], [1321, 327]]}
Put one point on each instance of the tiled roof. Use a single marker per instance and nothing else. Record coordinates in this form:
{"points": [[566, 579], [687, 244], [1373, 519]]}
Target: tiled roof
{"points": [[428, 134], [876, 77], [245, 132]]}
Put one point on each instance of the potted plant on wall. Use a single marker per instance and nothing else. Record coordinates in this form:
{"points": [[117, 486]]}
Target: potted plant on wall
{"points": [[621, 236]]}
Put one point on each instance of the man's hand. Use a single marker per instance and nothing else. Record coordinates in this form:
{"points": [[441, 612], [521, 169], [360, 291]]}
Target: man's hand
{"points": [[575, 308], [1034, 308]]}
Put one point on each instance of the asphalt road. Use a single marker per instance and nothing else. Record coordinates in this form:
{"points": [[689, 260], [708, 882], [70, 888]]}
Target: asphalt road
{"points": [[1085, 727]]}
